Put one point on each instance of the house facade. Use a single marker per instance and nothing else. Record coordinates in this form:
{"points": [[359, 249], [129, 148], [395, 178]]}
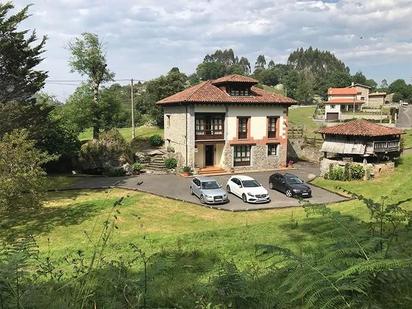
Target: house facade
{"points": [[227, 124], [351, 99], [341, 100]]}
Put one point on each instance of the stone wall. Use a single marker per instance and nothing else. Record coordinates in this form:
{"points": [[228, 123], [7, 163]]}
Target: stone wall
{"points": [[298, 149], [260, 160]]}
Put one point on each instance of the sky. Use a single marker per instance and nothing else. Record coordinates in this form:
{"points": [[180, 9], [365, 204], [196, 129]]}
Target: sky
{"points": [[146, 38]]}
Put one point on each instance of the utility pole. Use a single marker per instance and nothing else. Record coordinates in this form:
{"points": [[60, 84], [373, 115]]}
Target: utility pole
{"points": [[132, 103]]}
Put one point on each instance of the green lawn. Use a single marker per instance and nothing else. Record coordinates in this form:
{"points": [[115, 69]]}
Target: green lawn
{"points": [[189, 243], [141, 133], [303, 116], [407, 137]]}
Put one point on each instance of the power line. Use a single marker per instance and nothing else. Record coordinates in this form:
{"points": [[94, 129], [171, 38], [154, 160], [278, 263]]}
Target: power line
{"points": [[82, 80]]}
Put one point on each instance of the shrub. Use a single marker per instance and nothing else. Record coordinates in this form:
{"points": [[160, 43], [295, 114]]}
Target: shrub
{"points": [[187, 169], [137, 167], [22, 178], [357, 171], [156, 140], [170, 163], [346, 173]]}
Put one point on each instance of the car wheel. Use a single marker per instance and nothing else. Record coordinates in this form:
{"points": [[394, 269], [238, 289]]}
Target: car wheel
{"points": [[228, 189], [244, 198], [202, 199], [289, 193], [191, 191]]}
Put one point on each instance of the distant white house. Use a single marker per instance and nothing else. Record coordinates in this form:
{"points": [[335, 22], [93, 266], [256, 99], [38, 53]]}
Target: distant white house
{"points": [[351, 99]]}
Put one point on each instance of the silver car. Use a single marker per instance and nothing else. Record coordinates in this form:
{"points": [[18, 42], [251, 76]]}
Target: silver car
{"points": [[208, 190]]}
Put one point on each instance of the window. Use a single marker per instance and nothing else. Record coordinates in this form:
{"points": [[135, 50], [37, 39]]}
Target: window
{"points": [[209, 125], [332, 106], [168, 120], [196, 182], [242, 155], [272, 127], [239, 92], [200, 126], [272, 149], [243, 127]]}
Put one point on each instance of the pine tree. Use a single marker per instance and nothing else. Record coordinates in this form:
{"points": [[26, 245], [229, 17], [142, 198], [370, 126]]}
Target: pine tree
{"points": [[19, 56]]}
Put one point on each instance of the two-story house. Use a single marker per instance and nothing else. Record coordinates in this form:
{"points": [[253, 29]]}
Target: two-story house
{"points": [[351, 99], [227, 124]]}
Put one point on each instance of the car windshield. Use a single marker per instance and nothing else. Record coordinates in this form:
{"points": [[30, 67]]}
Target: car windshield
{"points": [[250, 183], [210, 185], [293, 180]]}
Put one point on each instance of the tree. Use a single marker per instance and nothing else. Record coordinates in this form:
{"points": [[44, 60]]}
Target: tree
{"points": [[320, 65], [359, 78], [88, 59], [157, 89], [21, 104], [19, 54], [260, 62], [221, 63], [22, 181], [271, 64], [304, 91]]}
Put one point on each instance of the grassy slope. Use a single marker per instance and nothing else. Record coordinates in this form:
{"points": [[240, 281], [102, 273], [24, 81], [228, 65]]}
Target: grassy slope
{"points": [[141, 132], [67, 215], [199, 238], [303, 116], [407, 139]]}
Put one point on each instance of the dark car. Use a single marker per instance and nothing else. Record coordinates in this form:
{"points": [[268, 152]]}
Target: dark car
{"points": [[289, 184]]}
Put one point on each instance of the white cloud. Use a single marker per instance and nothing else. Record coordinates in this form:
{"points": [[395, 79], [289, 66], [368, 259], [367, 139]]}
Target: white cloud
{"points": [[146, 38]]}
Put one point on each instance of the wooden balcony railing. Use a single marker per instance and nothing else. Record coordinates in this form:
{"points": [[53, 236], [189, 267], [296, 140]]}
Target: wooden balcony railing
{"points": [[209, 134], [386, 146]]}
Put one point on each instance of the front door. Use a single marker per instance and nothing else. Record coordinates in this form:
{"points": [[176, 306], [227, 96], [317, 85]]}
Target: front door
{"points": [[209, 155]]}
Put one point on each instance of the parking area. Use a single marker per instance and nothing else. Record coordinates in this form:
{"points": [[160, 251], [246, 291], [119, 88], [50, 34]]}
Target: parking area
{"points": [[177, 187]]}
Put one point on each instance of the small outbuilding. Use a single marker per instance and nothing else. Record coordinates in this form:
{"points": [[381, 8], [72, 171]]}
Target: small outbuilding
{"points": [[361, 141]]}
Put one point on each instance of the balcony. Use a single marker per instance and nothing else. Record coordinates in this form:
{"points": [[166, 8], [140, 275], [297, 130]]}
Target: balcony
{"points": [[386, 146], [209, 127]]}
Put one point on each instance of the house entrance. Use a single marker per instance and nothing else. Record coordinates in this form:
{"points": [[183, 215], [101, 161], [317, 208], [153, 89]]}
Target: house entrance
{"points": [[209, 155]]}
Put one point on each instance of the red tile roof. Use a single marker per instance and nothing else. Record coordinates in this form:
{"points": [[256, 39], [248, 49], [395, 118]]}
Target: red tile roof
{"points": [[343, 91], [236, 78], [207, 92], [360, 127], [343, 101]]}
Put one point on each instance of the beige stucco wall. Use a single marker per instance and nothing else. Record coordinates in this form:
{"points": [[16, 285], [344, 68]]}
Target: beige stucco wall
{"points": [[258, 119]]}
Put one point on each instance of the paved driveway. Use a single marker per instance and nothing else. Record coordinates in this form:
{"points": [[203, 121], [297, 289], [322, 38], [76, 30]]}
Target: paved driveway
{"points": [[177, 187]]}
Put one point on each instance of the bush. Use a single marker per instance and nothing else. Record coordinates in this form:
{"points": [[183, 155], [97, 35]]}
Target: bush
{"points": [[22, 178], [170, 163], [137, 167], [187, 169], [357, 171], [156, 140], [347, 173]]}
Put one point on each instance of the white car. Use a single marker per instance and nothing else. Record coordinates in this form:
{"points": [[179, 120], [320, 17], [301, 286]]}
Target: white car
{"points": [[248, 189]]}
